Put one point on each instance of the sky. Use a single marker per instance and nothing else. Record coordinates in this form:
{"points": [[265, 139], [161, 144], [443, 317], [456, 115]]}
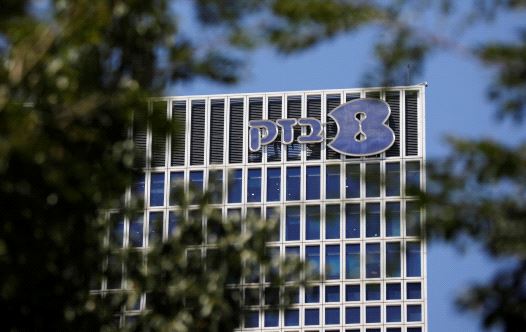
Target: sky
{"points": [[456, 104]]}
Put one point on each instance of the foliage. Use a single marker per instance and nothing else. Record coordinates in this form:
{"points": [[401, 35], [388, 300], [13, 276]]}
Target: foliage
{"points": [[73, 72]]}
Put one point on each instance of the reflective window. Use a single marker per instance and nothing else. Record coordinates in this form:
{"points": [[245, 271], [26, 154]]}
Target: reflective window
{"points": [[312, 294], [292, 223], [252, 296], [273, 271], [392, 219], [392, 179], [215, 186], [157, 189], [271, 318], [413, 219], [352, 315], [155, 228], [372, 314], [393, 329], [412, 177], [293, 183], [196, 219], [117, 229], [392, 260], [372, 292], [114, 278], [393, 313], [414, 329], [136, 230], [372, 220], [332, 293], [273, 184], [352, 181], [352, 221], [292, 253], [273, 215], [292, 317], [313, 182], [332, 316], [332, 181], [372, 260], [312, 222], [332, 262], [254, 185], [251, 319], [414, 312], [414, 290], [312, 317], [176, 186], [137, 190], [292, 294], [312, 254], [196, 185], [393, 291], [352, 261], [413, 259], [372, 180], [235, 185], [332, 222], [173, 219], [352, 293]]}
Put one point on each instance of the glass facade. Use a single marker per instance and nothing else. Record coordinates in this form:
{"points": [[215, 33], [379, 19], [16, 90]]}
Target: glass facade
{"points": [[354, 220]]}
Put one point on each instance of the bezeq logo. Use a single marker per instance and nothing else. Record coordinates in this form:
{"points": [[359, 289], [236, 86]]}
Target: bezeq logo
{"points": [[362, 128]]}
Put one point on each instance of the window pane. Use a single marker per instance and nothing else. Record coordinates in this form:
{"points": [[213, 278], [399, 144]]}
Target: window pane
{"points": [[312, 221], [155, 228], [332, 222], [271, 318], [292, 223], [372, 314], [372, 220], [292, 317], [413, 219], [196, 185], [273, 271], [372, 260], [273, 184], [412, 177], [157, 189], [312, 254], [352, 261], [352, 293], [414, 290], [137, 190], [352, 221], [215, 186], [414, 329], [393, 313], [413, 259], [293, 183], [414, 313], [332, 181], [393, 292], [292, 253], [176, 186], [313, 182], [312, 294], [394, 329], [312, 316], [235, 183], [117, 229], [392, 259], [372, 292], [273, 215], [332, 293], [372, 180], [173, 218], [332, 315], [114, 272], [392, 219], [352, 315], [292, 295], [254, 185], [252, 296], [332, 262], [251, 319], [392, 179], [352, 181], [136, 230]]}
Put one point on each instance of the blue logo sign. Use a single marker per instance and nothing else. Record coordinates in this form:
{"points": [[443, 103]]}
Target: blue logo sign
{"points": [[362, 129]]}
